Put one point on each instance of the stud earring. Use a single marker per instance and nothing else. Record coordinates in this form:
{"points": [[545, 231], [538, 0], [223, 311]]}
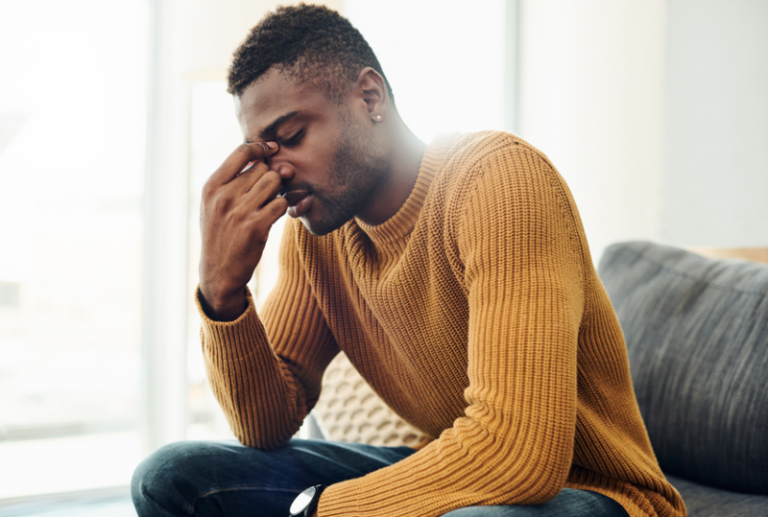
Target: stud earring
{"points": [[378, 118]]}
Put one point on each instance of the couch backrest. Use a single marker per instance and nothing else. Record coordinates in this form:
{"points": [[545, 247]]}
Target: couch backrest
{"points": [[697, 336]]}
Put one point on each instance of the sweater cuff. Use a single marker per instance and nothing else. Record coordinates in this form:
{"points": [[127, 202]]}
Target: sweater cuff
{"points": [[340, 500], [230, 338], [207, 319]]}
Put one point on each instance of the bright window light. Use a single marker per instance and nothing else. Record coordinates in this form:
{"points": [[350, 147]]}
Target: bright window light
{"points": [[72, 120]]}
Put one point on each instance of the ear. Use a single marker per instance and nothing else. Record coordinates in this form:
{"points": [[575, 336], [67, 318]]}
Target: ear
{"points": [[373, 90]]}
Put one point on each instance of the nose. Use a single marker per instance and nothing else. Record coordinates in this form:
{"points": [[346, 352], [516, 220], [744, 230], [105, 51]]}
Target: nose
{"points": [[281, 165]]}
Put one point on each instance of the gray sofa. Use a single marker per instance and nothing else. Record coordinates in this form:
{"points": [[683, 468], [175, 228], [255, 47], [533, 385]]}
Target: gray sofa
{"points": [[697, 336]]}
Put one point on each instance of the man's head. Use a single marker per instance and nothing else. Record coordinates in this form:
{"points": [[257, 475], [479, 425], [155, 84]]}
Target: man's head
{"points": [[306, 79], [309, 43]]}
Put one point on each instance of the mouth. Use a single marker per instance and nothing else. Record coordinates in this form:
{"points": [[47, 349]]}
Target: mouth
{"points": [[294, 196], [299, 202]]}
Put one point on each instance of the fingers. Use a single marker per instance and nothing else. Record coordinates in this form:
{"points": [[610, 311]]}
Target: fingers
{"points": [[240, 157], [257, 223], [247, 178], [264, 188], [275, 209]]}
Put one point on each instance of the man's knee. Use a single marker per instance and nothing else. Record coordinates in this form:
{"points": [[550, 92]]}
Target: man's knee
{"points": [[211, 477], [165, 473]]}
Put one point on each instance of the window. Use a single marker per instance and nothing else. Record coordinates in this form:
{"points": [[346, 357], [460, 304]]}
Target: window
{"points": [[72, 118], [214, 133], [9, 294]]}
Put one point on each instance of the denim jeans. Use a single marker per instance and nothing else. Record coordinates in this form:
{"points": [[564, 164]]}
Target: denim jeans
{"points": [[226, 478]]}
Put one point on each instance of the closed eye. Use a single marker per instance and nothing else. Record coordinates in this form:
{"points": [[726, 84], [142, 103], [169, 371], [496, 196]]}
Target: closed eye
{"points": [[294, 140]]}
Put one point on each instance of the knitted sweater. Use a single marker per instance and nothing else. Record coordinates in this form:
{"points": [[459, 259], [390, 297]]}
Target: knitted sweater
{"points": [[475, 312]]}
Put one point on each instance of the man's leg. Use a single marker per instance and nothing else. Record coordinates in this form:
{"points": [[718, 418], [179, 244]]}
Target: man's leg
{"points": [[568, 503], [225, 478]]}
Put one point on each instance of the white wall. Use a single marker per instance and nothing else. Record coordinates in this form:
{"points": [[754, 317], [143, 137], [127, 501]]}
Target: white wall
{"points": [[655, 112], [591, 80], [445, 62], [715, 190], [209, 31]]}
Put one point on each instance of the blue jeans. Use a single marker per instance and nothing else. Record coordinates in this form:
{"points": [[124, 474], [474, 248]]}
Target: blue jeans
{"points": [[226, 478]]}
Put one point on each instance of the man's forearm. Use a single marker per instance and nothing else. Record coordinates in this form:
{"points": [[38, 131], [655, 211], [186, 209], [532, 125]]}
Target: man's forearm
{"points": [[263, 401]]}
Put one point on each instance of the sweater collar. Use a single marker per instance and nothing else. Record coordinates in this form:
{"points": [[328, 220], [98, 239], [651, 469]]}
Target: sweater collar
{"points": [[402, 223]]}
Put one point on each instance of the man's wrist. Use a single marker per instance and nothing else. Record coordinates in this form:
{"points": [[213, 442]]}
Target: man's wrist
{"points": [[224, 308]]}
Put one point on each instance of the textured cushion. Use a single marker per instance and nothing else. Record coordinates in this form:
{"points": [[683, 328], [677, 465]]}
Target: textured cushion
{"points": [[705, 501], [697, 337], [350, 411]]}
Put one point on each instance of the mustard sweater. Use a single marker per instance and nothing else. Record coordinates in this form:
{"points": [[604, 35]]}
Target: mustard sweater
{"points": [[476, 313]]}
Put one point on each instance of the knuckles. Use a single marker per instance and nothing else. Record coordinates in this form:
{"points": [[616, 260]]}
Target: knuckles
{"points": [[268, 180], [217, 204], [278, 206], [254, 150], [209, 190], [247, 151], [260, 167]]}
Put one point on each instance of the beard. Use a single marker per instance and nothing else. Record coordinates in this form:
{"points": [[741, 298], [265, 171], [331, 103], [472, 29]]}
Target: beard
{"points": [[359, 167]]}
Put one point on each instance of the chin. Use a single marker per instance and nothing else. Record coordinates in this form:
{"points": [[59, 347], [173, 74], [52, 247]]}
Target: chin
{"points": [[315, 229], [321, 228]]}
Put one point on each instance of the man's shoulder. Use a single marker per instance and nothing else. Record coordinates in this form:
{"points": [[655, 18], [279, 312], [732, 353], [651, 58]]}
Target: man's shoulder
{"points": [[469, 159], [466, 152]]}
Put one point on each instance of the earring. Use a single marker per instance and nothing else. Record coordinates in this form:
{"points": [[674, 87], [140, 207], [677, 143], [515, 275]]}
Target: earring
{"points": [[378, 118]]}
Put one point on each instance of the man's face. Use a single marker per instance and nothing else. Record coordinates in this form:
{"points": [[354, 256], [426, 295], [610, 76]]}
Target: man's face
{"points": [[328, 159]]}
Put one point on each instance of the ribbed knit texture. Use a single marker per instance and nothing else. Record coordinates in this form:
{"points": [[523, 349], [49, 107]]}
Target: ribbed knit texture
{"points": [[475, 312]]}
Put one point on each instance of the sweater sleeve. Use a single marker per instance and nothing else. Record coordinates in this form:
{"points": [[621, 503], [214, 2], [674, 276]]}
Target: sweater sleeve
{"points": [[518, 239], [266, 372]]}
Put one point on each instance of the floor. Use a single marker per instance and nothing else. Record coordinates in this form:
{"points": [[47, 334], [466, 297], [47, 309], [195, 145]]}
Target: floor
{"points": [[112, 507]]}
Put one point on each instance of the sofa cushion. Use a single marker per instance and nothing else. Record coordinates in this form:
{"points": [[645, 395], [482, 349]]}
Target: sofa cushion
{"points": [[705, 501], [697, 338]]}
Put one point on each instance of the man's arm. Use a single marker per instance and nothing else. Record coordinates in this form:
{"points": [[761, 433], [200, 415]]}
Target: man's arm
{"points": [[265, 372], [519, 243]]}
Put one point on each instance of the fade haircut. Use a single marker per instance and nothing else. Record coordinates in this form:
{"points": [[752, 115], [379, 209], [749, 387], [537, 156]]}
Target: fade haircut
{"points": [[309, 43]]}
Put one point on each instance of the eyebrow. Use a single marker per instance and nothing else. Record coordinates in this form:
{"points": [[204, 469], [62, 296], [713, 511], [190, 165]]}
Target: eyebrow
{"points": [[271, 129]]}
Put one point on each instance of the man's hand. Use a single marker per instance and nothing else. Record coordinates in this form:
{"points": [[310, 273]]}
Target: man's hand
{"points": [[238, 208]]}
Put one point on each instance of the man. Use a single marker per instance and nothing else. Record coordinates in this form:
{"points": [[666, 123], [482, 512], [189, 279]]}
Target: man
{"points": [[455, 276]]}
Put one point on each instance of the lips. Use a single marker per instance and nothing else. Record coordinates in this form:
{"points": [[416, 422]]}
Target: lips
{"points": [[299, 202], [294, 196]]}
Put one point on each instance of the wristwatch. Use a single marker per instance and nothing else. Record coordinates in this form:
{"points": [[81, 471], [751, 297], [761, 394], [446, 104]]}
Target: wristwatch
{"points": [[305, 503]]}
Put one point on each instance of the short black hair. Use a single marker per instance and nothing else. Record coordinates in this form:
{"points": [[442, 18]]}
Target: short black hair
{"points": [[310, 42]]}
